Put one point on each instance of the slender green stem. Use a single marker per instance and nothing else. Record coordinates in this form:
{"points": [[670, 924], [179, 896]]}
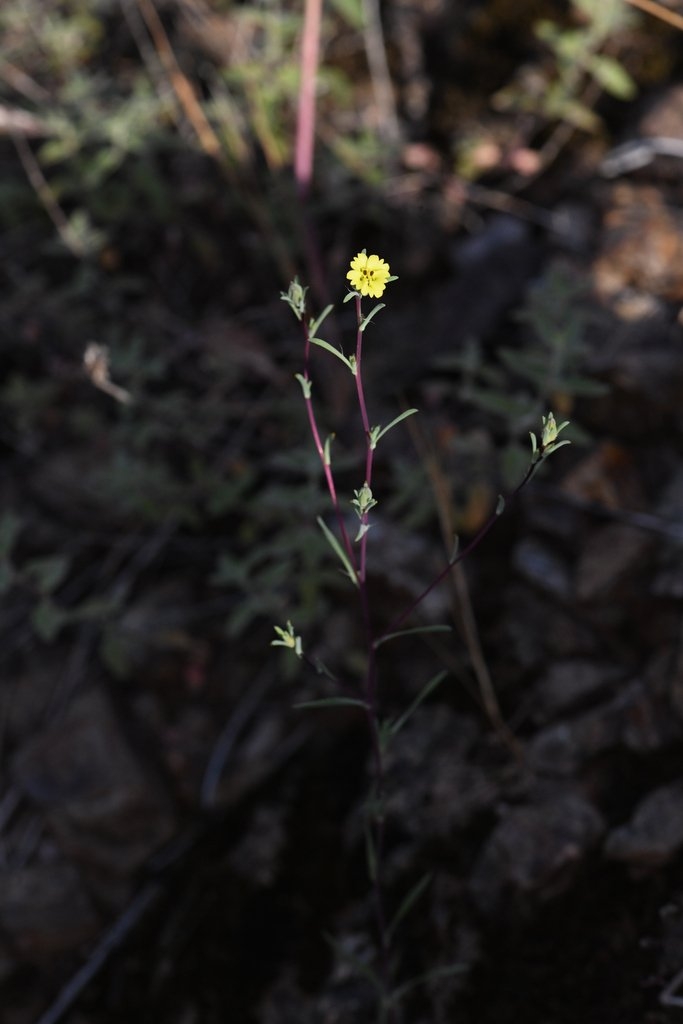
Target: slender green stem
{"points": [[361, 393], [369, 452], [369, 685], [377, 874], [327, 468], [370, 693]]}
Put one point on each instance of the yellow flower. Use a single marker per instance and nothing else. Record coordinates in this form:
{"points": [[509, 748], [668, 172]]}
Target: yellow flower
{"points": [[368, 274]]}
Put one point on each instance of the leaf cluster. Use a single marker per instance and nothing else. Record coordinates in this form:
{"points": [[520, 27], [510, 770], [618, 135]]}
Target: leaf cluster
{"points": [[578, 58], [547, 368]]}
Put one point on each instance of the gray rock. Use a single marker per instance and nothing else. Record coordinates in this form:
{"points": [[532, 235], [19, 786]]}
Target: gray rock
{"points": [[635, 719], [44, 910], [534, 852], [541, 565], [610, 555], [431, 790], [571, 684], [654, 835], [105, 811]]}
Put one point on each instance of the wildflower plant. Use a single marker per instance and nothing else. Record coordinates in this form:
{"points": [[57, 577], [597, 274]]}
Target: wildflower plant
{"points": [[369, 276]]}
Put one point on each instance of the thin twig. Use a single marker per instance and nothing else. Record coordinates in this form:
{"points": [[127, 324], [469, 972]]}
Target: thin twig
{"points": [[496, 199], [15, 121], [182, 86], [45, 194], [376, 52], [23, 83], [110, 942], [461, 600], [658, 11], [238, 719], [150, 57], [208, 139], [461, 556]]}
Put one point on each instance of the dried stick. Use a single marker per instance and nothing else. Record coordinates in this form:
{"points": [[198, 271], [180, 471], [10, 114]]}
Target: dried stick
{"points": [[657, 11], [460, 595], [376, 53], [45, 194], [182, 87]]}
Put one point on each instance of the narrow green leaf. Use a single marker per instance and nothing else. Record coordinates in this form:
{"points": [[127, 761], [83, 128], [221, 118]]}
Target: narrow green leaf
{"points": [[408, 902], [366, 320], [384, 734], [411, 632], [332, 702], [330, 348], [612, 76], [403, 416], [315, 324], [579, 115], [306, 385], [553, 448], [422, 695], [338, 550], [322, 669], [370, 853], [362, 530]]}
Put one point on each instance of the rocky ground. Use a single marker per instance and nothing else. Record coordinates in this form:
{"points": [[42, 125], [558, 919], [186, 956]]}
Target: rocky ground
{"points": [[175, 838]]}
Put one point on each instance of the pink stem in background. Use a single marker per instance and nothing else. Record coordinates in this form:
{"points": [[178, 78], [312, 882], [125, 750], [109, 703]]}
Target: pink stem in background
{"points": [[305, 128]]}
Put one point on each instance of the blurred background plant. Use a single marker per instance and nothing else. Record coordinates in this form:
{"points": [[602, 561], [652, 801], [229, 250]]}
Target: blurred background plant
{"points": [[145, 136], [580, 66], [159, 497], [582, 53], [547, 367], [136, 161]]}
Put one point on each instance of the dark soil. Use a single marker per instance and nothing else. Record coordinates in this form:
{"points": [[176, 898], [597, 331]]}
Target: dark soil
{"points": [[178, 843]]}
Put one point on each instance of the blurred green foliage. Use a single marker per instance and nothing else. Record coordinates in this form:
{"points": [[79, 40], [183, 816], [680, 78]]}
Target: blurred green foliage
{"points": [[124, 226], [557, 89], [546, 369], [116, 160]]}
